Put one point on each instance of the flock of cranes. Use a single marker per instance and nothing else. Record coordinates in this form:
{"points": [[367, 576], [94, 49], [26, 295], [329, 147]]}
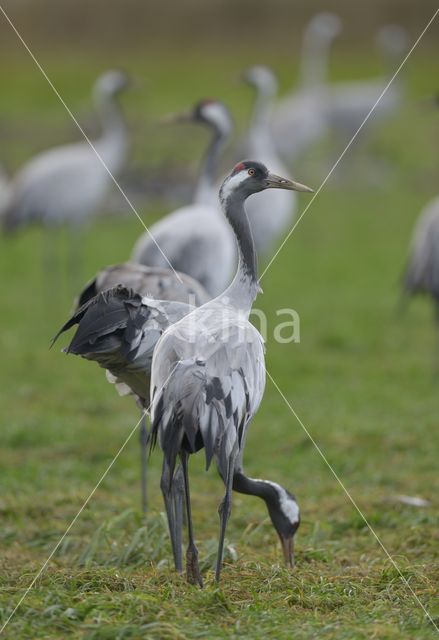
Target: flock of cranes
{"points": [[171, 326]]}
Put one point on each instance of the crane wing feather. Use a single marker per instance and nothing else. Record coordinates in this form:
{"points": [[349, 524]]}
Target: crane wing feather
{"points": [[205, 396], [119, 330]]}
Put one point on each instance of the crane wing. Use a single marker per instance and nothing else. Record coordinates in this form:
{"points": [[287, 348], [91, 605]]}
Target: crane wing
{"points": [[119, 330], [153, 282]]}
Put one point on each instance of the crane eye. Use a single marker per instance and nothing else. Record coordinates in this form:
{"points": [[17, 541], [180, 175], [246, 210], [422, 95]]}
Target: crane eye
{"points": [[251, 172]]}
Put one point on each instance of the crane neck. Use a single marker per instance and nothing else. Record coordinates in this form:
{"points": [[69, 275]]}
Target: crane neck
{"points": [[259, 133], [112, 120], [314, 59], [205, 188], [251, 487], [244, 288]]}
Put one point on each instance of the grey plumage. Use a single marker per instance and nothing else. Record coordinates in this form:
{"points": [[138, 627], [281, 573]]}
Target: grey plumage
{"points": [[271, 212], [121, 314], [216, 385], [119, 330], [153, 282], [208, 374], [422, 271], [196, 239], [348, 103], [300, 117], [68, 183]]}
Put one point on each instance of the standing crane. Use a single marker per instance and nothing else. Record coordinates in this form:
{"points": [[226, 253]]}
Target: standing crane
{"points": [[67, 184], [114, 301], [300, 118], [196, 239], [422, 271], [348, 103], [266, 229], [208, 378]]}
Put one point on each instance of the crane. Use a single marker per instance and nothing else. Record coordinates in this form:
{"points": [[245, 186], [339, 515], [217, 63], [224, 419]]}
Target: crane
{"points": [[349, 102], [67, 184], [196, 239], [300, 118], [422, 271], [107, 304], [208, 378], [266, 229]]}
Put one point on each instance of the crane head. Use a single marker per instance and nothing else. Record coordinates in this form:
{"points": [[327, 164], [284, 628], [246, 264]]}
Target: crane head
{"points": [[112, 83], [326, 25], [212, 113], [250, 176], [262, 78], [285, 516]]}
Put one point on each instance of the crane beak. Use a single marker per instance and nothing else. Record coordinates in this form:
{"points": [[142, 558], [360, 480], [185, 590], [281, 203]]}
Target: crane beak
{"points": [[173, 118], [276, 182], [288, 550]]}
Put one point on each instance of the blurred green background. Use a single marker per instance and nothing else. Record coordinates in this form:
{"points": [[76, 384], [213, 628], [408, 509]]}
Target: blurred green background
{"points": [[362, 379]]}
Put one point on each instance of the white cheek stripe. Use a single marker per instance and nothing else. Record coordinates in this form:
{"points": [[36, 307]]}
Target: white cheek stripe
{"points": [[233, 182], [289, 506]]}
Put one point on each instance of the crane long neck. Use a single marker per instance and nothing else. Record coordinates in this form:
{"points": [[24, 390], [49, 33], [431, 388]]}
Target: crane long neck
{"points": [[244, 287], [112, 120], [251, 487], [259, 132], [206, 180], [314, 59]]}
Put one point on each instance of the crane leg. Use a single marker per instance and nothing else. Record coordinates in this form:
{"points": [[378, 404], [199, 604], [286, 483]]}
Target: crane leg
{"points": [[193, 573], [224, 513], [168, 491], [143, 441], [178, 494]]}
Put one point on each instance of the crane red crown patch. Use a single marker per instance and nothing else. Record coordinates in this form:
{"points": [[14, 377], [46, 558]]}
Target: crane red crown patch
{"points": [[238, 167]]}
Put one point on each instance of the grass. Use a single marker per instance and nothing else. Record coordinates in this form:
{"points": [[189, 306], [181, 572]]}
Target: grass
{"points": [[361, 381]]}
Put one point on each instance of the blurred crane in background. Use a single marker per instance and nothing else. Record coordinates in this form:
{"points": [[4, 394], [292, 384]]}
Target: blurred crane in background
{"points": [[68, 184], [348, 103], [270, 212], [422, 271], [300, 118], [196, 239]]}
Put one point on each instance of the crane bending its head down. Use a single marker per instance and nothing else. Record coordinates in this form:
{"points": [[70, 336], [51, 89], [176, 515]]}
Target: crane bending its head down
{"points": [[208, 378]]}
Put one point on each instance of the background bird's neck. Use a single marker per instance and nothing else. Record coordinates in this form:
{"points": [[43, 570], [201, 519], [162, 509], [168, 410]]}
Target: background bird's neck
{"points": [[113, 143], [314, 59], [206, 181], [112, 120], [244, 287], [260, 138]]}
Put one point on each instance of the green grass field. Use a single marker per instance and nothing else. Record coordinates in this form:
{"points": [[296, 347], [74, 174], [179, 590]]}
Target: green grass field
{"points": [[362, 380]]}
